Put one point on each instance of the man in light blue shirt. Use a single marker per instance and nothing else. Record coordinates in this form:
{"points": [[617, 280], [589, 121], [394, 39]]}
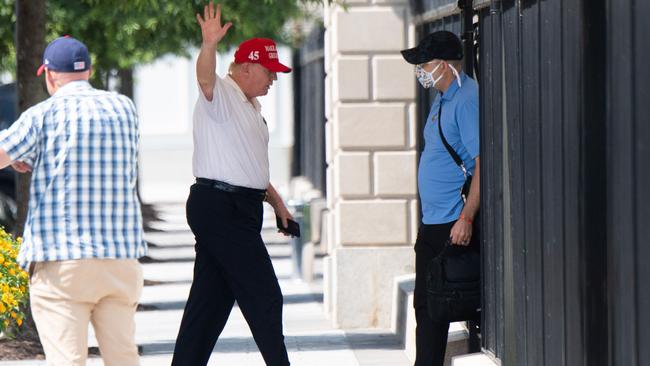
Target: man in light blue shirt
{"points": [[439, 178], [446, 215], [83, 233]]}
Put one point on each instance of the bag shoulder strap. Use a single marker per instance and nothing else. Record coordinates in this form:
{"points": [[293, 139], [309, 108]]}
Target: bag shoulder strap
{"points": [[450, 150]]}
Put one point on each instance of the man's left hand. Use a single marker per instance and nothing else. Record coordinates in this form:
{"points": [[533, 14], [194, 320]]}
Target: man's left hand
{"points": [[284, 215], [461, 232], [21, 167]]}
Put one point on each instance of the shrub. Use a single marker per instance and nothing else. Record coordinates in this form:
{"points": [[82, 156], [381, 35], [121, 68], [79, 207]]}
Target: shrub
{"points": [[14, 282]]}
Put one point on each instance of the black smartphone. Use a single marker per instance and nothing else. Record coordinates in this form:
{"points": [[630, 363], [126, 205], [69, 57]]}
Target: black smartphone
{"points": [[293, 228]]}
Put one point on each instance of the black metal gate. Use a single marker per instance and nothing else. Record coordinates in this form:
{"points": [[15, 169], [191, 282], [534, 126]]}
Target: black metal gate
{"points": [[309, 110], [565, 153], [628, 181], [543, 118]]}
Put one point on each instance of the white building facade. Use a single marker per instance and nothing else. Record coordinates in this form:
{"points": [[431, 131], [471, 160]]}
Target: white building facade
{"points": [[371, 156]]}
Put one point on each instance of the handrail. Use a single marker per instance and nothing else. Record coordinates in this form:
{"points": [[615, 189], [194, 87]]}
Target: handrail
{"points": [[479, 4], [436, 14]]}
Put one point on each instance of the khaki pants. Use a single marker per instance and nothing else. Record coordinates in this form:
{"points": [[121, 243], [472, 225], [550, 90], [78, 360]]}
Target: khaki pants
{"points": [[66, 295]]}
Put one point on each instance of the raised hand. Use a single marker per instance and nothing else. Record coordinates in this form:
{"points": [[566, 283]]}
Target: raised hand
{"points": [[211, 28]]}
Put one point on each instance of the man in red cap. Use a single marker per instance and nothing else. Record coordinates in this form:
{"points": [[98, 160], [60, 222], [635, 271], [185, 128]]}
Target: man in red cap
{"points": [[224, 208]]}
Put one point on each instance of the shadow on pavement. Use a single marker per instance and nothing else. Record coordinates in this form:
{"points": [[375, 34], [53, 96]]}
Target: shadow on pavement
{"points": [[180, 305], [303, 343]]}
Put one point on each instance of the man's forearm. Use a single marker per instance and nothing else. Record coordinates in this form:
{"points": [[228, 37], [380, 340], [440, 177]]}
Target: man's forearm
{"points": [[273, 197], [5, 160], [275, 200], [474, 199], [206, 64]]}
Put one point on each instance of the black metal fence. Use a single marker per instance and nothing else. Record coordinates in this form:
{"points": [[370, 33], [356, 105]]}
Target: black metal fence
{"points": [[543, 118], [628, 181], [565, 153], [309, 110]]}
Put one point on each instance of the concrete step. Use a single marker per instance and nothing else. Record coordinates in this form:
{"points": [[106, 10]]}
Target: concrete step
{"points": [[185, 237], [404, 322], [168, 272], [165, 297], [174, 271], [165, 239], [474, 359], [171, 227]]}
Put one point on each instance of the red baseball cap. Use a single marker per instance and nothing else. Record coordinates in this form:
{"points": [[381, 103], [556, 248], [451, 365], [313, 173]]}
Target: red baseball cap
{"points": [[261, 51]]}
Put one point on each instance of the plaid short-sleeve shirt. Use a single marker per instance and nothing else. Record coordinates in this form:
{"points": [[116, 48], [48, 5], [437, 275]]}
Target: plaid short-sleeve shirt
{"points": [[82, 144]]}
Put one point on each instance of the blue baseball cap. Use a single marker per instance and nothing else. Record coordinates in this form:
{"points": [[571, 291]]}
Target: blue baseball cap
{"points": [[65, 54]]}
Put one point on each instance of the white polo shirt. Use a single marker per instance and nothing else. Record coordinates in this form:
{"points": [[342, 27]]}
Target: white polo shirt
{"points": [[230, 137]]}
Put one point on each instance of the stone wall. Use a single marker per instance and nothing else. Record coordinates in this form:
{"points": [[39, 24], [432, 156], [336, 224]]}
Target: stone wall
{"points": [[371, 156]]}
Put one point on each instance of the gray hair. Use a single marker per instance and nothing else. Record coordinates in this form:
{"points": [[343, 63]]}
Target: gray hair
{"points": [[233, 67]]}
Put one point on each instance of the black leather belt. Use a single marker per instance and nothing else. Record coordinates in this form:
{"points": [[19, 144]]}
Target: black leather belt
{"points": [[223, 186]]}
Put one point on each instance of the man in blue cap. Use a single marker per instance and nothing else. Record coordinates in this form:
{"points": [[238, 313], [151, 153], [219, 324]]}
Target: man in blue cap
{"points": [[83, 233], [449, 157]]}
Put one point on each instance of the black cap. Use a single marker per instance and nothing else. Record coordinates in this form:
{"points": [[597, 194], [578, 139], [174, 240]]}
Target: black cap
{"points": [[441, 45]]}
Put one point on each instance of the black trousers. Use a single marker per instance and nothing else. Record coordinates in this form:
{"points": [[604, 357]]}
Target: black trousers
{"points": [[430, 336], [231, 264]]}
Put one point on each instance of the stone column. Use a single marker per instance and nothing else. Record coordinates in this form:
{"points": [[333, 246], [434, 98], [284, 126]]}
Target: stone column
{"points": [[371, 156]]}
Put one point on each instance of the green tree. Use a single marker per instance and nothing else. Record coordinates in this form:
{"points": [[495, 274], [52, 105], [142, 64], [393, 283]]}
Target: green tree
{"points": [[30, 34], [7, 27], [121, 34], [29, 22]]}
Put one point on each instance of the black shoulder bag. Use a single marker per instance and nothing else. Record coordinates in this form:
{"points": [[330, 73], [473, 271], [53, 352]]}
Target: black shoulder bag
{"points": [[454, 276], [464, 192]]}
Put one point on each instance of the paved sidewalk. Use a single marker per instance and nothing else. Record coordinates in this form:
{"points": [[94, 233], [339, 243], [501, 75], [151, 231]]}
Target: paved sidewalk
{"points": [[310, 338]]}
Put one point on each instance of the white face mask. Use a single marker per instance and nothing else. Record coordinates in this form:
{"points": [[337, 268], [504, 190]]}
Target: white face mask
{"points": [[427, 80], [453, 69]]}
